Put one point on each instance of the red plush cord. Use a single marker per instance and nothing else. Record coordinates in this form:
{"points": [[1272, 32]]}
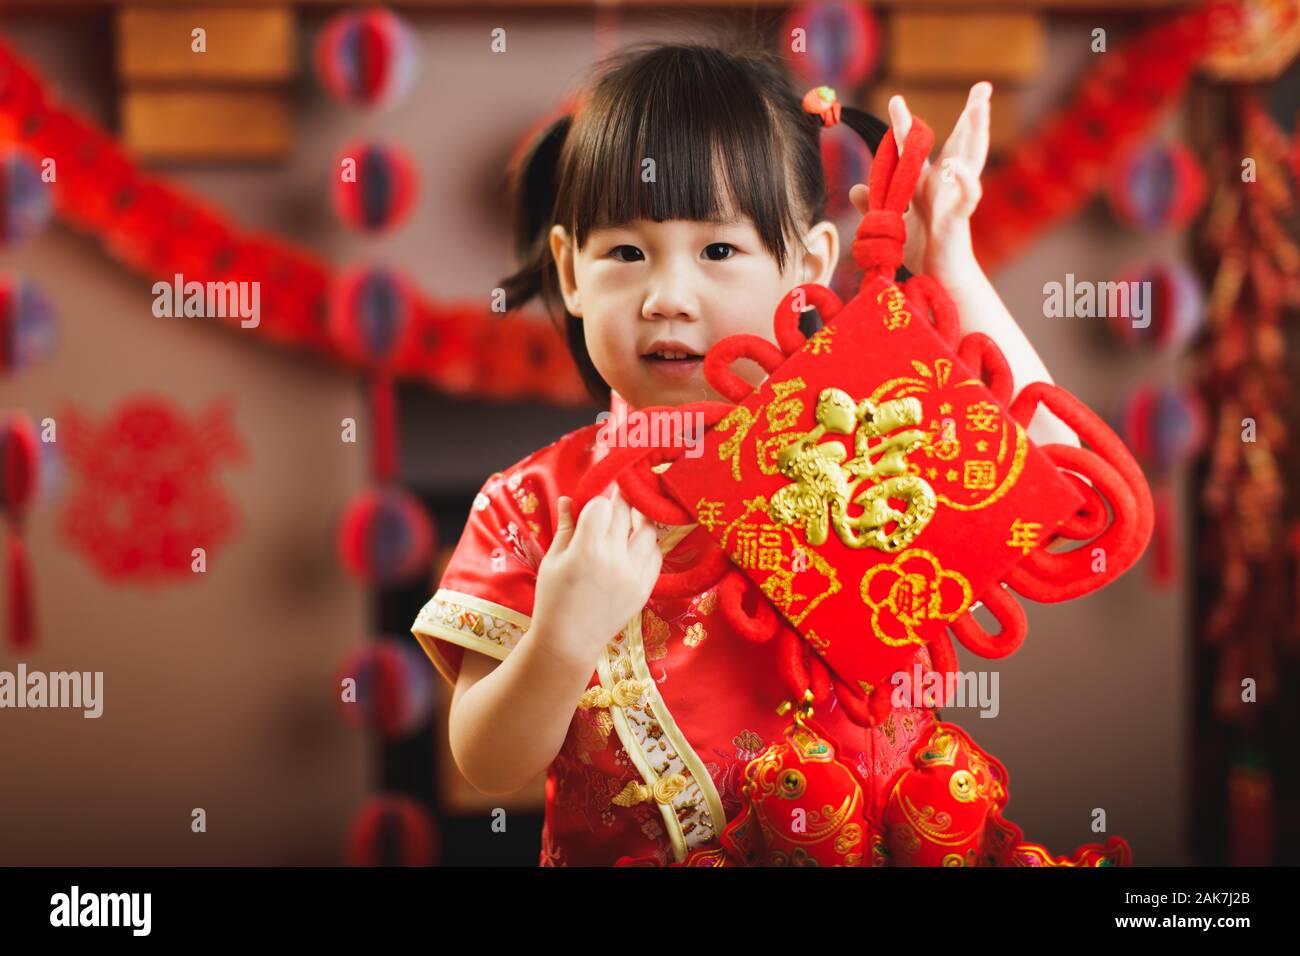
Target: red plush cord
{"points": [[982, 355], [878, 246], [786, 326], [718, 360], [1011, 621], [1114, 474], [926, 292], [759, 626]]}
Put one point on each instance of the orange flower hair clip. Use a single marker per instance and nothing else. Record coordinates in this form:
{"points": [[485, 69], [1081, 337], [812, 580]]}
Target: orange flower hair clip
{"points": [[821, 101]]}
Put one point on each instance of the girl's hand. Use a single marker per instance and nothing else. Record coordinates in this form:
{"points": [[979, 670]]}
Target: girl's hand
{"points": [[938, 219], [595, 577]]}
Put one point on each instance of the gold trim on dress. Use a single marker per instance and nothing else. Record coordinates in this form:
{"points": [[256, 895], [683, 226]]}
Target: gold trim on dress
{"points": [[646, 723], [469, 622]]}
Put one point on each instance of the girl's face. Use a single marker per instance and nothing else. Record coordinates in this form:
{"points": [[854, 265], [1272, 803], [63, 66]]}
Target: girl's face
{"points": [[646, 288]]}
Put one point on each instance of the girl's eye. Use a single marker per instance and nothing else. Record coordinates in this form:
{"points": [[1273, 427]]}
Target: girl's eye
{"points": [[631, 251], [718, 251]]}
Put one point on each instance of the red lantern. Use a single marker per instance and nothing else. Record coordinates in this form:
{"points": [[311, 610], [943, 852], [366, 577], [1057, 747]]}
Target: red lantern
{"points": [[393, 831], [19, 473], [385, 536], [376, 186]]}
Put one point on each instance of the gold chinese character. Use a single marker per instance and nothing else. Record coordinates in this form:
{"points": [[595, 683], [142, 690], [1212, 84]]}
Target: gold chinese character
{"points": [[979, 474], [982, 416], [709, 512], [823, 483], [1024, 535]]}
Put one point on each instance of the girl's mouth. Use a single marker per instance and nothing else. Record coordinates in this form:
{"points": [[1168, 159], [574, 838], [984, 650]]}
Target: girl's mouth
{"points": [[675, 367]]}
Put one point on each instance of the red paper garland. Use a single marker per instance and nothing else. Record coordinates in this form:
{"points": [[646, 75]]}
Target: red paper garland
{"points": [[1053, 174], [159, 229]]}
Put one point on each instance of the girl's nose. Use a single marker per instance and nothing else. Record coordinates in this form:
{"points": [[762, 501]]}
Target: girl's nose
{"points": [[671, 296]]}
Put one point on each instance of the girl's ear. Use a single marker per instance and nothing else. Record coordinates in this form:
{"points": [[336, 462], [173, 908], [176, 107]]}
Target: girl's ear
{"points": [[822, 245], [562, 253]]}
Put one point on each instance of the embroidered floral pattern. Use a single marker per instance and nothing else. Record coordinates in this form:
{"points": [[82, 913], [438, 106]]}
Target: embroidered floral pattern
{"points": [[654, 635], [695, 635], [442, 613]]}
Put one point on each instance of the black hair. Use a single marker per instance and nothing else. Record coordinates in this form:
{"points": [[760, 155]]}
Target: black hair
{"points": [[687, 106]]}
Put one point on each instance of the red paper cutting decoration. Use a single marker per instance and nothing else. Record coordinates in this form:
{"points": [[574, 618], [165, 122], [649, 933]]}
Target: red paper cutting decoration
{"points": [[20, 462], [149, 492]]}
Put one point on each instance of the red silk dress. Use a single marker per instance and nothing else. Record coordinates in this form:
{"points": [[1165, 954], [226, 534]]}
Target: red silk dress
{"points": [[678, 704]]}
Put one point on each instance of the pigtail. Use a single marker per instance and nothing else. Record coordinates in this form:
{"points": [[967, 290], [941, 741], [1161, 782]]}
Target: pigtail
{"points": [[533, 198]]}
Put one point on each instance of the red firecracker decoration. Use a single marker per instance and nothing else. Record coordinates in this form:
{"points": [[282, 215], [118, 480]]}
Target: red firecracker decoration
{"points": [[19, 473], [149, 492], [393, 831], [376, 186]]}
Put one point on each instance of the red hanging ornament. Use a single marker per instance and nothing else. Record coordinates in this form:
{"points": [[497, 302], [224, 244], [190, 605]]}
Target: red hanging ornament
{"points": [[393, 830], [394, 688], [816, 460], [831, 42], [25, 202], [1164, 427], [385, 536], [20, 461], [27, 330], [376, 187], [372, 324], [1157, 186], [366, 58]]}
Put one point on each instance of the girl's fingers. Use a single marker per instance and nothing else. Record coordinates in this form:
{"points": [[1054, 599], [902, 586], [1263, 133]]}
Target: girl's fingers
{"points": [[620, 518], [638, 521], [858, 195], [901, 119], [594, 520], [563, 522], [977, 144]]}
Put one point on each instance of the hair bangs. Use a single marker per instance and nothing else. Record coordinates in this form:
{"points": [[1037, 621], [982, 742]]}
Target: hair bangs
{"points": [[655, 141]]}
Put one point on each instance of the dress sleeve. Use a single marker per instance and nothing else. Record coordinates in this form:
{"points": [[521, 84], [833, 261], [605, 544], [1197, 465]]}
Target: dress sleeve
{"points": [[484, 600]]}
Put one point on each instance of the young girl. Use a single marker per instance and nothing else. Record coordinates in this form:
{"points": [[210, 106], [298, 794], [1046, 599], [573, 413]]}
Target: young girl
{"points": [[677, 207]]}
